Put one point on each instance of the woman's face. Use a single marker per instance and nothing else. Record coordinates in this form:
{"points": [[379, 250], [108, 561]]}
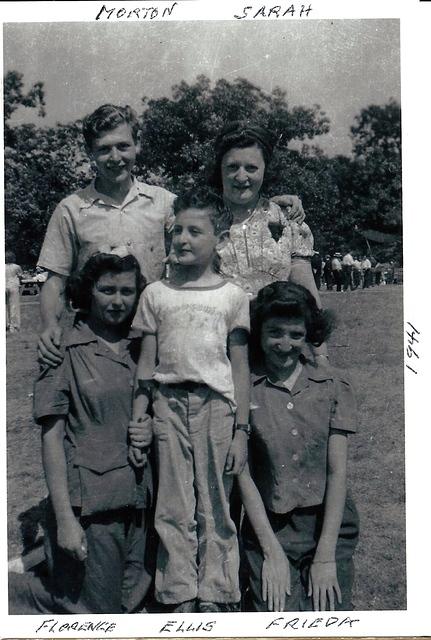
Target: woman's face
{"points": [[282, 341], [113, 298], [242, 172]]}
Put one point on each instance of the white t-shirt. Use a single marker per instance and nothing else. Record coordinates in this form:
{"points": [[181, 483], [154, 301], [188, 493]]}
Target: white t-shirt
{"points": [[192, 327]]}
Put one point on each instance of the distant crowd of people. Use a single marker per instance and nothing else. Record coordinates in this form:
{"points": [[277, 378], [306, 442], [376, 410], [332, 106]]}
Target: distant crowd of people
{"points": [[340, 273]]}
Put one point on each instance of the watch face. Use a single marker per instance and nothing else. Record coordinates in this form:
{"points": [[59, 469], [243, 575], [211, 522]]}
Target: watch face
{"points": [[244, 427]]}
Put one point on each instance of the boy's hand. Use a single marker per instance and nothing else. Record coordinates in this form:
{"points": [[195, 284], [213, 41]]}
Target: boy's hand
{"points": [[323, 583], [237, 454], [137, 457], [275, 579], [71, 538], [291, 207], [48, 351], [141, 432]]}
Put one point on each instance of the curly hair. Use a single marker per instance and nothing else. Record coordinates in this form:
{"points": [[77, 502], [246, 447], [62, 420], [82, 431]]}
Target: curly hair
{"points": [[106, 118], [79, 285], [204, 198], [240, 134], [290, 301]]}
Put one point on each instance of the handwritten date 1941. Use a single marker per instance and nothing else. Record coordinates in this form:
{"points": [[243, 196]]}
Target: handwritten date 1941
{"points": [[277, 11], [411, 349]]}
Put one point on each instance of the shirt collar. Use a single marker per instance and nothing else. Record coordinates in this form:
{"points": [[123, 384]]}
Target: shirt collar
{"points": [[82, 334], [310, 371], [90, 194]]}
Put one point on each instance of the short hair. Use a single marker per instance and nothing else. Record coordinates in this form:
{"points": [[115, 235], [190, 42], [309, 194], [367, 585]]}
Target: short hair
{"points": [[106, 118], [290, 301], [240, 134], [79, 285], [203, 198]]}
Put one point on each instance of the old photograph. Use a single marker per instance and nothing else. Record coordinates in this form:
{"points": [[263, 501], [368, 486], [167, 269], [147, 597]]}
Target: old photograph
{"points": [[204, 317]]}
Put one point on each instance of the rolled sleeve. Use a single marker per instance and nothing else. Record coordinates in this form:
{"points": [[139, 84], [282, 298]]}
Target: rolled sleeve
{"points": [[302, 240], [241, 313], [59, 251], [51, 393], [344, 410], [145, 317], [169, 208]]}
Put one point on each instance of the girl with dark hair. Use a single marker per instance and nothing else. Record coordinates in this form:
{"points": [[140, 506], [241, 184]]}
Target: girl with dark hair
{"points": [[96, 529], [301, 527], [264, 245]]}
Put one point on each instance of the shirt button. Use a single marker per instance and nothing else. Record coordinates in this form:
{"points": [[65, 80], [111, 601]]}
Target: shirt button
{"points": [[290, 405], [129, 243], [295, 457], [295, 480], [294, 432]]}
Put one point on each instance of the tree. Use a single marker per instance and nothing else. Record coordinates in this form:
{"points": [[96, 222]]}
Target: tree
{"points": [[178, 132], [376, 137], [42, 165], [14, 97]]}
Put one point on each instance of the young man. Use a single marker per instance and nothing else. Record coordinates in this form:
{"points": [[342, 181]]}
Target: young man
{"points": [[114, 213]]}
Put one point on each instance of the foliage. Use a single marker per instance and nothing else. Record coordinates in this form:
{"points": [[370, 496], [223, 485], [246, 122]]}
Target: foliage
{"points": [[376, 139], [178, 132], [341, 195]]}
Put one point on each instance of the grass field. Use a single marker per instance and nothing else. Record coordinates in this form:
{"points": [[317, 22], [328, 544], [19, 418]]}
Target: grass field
{"points": [[367, 342]]}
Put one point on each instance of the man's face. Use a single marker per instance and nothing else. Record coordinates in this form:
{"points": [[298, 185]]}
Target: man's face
{"points": [[114, 153]]}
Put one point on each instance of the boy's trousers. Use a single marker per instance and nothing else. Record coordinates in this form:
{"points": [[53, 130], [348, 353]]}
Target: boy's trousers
{"points": [[198, 549], [298, 533]]}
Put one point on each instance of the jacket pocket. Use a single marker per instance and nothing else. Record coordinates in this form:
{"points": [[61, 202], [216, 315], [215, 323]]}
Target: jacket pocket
{"points": [[107, 480]]}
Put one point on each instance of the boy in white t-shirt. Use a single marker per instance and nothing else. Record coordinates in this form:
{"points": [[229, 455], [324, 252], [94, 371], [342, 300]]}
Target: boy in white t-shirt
{"points": [[194, 368]]}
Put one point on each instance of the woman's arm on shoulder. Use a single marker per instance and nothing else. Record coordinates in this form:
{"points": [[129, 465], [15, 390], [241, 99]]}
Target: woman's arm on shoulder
{"points": [[301, 273]]}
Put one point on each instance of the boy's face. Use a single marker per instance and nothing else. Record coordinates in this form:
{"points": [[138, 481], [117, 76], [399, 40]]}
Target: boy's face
{"points": [[194, 239], [114, 153], [282, 341]]}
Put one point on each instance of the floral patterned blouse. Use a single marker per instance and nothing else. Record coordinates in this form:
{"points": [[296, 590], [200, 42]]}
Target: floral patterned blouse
{"points": [[260, 249]]}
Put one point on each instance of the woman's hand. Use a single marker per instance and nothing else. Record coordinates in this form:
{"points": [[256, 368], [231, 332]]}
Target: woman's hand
{"points": [[291, 207], [237, 454], [141, 432], [323, 584], [71, 539], [275, 579]]}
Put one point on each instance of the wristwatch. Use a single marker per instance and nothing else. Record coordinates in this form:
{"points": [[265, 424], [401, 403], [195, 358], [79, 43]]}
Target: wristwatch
{"points": [[243, 427]]}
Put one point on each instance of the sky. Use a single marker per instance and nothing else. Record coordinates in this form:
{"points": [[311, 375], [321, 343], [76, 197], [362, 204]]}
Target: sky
{"points": [[342, 65]]}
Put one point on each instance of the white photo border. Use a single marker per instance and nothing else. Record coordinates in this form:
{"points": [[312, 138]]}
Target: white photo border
{"points": [[415, 22]]}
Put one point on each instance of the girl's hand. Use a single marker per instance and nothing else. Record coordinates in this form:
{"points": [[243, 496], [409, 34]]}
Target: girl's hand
{"points": [[71, 538], [237, 454], [137, 457], [141, 432], [275, 579], [323, 583]]}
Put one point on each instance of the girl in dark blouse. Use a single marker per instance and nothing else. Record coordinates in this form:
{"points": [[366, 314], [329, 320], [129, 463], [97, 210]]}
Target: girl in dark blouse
{"points": [[301, 528]]}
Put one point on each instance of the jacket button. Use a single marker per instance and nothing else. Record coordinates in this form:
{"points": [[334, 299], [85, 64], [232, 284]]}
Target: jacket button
{"points": [[295, 457], [294, 432], [290, 405]]}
